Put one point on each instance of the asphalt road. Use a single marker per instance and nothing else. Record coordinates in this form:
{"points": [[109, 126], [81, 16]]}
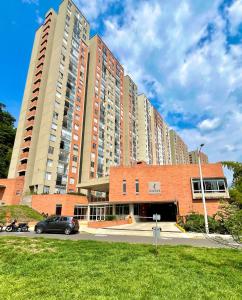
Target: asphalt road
{"points": [[196, 242]]}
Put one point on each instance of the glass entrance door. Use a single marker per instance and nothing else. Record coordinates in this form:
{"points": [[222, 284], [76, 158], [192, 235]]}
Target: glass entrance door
{"points": [[100, 213]]}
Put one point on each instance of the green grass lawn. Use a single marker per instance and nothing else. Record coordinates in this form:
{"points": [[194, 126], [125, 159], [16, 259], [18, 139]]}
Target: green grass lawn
{"points": [[22, 213], [54, 269]]}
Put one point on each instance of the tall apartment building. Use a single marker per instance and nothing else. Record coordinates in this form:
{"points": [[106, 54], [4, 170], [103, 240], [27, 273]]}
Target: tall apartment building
{"points": [[145, 133], [193, 157], [161, 140], [48, 141], [153, 134], [130, 121], [179, 150], [103, 134]]}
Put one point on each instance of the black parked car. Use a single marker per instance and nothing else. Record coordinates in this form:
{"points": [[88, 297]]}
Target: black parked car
{"points": [[63, 224]]}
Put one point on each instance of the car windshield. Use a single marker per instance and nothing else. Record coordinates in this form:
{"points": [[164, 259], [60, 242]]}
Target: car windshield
{"points": [[52, 219]]}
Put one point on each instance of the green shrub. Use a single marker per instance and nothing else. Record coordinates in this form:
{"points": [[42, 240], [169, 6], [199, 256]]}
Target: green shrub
{"points": [[110, 218], [195, 222]]}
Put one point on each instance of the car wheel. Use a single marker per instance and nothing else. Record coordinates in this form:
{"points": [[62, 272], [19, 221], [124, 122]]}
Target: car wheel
{"points": [[8, 229], [39, 230], [68, 231]]}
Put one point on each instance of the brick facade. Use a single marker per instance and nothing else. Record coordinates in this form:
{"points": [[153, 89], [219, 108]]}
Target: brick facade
{"points": [[175, 185], [47, 203], [11, 190]]}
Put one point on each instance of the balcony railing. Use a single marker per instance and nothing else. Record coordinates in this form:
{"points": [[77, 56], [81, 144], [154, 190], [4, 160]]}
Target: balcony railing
{"points": [[22, 167], [26, 144], [24, 155]]}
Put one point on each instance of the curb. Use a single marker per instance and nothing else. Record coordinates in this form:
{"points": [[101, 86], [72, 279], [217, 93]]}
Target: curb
{"points": [[180, 228]]}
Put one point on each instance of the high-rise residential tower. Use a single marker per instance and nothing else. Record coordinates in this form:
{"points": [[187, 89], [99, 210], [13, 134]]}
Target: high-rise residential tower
{"points": [[48, 141], [193, 157], [179, 150], [145, 134], [153, 134], [130, 121], [103, 135], [161, 140]]}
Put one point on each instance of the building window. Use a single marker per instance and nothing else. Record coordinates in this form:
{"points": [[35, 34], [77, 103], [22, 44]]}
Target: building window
{"points": [[124, 187], [72, 181], [51, 150], [74, 158], [75, 137], [52, 138], [53, 126], [76, 127], [137, 186], [122, 209], [92, 164], [48, 176], [74, 169], [58, 209], [75, 147], [210, 185], [46, 189], [91, 174], [49, 162]]}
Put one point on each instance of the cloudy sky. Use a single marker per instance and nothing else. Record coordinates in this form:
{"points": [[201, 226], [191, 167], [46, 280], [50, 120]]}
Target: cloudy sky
{"points": [[186, 55]]}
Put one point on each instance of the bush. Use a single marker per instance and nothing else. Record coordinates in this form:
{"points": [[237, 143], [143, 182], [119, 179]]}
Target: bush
{"points": [[230, 216], [110, 218], [195, 222]]}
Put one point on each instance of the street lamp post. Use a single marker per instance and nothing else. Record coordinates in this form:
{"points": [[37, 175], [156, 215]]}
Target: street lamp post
{"points": [[202, 188]]}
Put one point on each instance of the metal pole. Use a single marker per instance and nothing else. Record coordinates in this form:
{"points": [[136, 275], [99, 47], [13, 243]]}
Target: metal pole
{"points": [[203, 194]]}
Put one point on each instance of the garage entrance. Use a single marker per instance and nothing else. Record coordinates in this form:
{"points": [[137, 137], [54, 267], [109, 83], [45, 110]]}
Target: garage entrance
{"points": [[167, 211]]}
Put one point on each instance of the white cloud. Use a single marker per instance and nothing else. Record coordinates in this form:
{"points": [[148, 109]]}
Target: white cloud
{"points": [[235, 13], [209, 124]]}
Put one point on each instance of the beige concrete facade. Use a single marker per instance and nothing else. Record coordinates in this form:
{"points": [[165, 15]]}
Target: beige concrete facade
{"points": [[161, 140], [103, 135], [145, 133], [179, 150], [131, 141], [193, 157], [153, 134], [58, 43]]}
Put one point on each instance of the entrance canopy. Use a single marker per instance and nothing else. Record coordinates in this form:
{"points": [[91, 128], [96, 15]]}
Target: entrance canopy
{"points": [[96, 184]]}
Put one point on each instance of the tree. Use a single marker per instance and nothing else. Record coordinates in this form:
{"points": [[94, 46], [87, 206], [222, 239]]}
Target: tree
{"points": [[230, 213], [235, 191], [7, 136]]}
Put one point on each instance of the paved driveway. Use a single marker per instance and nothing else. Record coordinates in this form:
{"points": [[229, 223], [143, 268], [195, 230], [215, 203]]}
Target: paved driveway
{"points": [[147, 226], [201, 242]]}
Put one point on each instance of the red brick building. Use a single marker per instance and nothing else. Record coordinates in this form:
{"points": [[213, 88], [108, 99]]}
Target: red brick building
{"points": [[139, 190]]}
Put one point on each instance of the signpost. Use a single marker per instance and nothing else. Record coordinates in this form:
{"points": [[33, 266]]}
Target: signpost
{"points": [[156, 229]]}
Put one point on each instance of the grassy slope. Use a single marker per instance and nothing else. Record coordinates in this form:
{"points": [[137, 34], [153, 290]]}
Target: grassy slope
{"points": [[51, 269], [19, 212]]}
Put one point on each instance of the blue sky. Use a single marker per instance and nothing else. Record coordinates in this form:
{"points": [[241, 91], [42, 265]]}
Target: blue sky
{"points": [[185, 55]]}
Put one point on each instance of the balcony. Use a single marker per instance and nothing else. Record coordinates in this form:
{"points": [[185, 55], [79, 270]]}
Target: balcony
{"points": [[42, 50], [22, 167], [41, 59], [24, 156], [26, 144], [33, 104], [28, 134], [38, 76], [31, 114], [29, 124], [35, 95], [39, 67], [45, 35], [37, 84]]}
